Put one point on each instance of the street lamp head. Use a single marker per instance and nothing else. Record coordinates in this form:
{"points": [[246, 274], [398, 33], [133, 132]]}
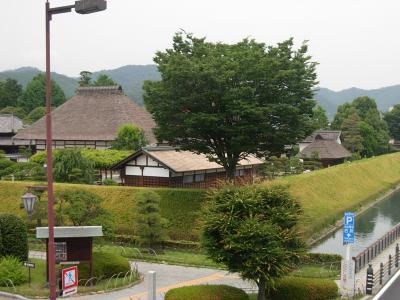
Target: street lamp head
{"points": [[90, 6], [29, 199]]}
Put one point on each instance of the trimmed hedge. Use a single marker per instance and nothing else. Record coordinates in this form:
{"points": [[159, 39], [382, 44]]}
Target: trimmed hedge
{"points": [[304, 289], [14, 237], [105, 265], [321, 258], [206, 292]]}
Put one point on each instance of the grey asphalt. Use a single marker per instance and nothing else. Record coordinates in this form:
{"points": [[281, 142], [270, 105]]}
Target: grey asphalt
{"points": [[393, 292]]}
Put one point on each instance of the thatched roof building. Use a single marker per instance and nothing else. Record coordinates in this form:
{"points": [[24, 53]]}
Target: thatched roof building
{"points": [[90, 119]]}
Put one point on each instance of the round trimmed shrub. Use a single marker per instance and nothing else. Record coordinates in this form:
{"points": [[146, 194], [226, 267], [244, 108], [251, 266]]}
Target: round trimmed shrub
{"points": [[304, 289], [105, 265], [206, 292], [14, 237], [11, 269]]}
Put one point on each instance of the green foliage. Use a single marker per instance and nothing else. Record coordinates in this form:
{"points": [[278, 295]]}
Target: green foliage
{"points": [[211, 95], [14, 237], [85, 78], [82, 207], [104, 80], [12, 269], [35, 115], [24, 171], [206, 292], [5, 163], [392, 119], [71, 166], [16, 111], [363, 129], [319, 119], [280, 166], [320, 258], [149, 224], [34, 94], [10, 90], [108, 181], [105, 265], [304, 289], [251, 230], [129, 137]]}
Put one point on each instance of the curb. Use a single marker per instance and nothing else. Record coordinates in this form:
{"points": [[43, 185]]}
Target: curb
{"points": [[13, 296]]}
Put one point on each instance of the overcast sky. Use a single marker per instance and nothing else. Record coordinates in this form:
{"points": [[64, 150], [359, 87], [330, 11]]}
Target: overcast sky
{"points": [[356, 42]]}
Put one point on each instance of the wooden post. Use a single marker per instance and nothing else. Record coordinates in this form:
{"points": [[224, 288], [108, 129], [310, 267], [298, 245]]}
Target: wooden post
{"points": [[91, 257]]}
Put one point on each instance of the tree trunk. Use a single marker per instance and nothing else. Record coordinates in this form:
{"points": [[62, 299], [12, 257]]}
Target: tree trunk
{"points": [[261, 290]]}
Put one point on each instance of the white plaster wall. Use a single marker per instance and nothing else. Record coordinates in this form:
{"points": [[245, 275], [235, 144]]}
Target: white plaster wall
{"points": [[156, 172], [135, 171]]}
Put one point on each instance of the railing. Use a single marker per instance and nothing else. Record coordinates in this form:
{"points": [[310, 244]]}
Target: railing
{"points": [[378, 277], [372, 251]]}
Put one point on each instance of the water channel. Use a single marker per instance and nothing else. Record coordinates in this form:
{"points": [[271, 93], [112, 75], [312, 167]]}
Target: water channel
{"points": [[370, 226]]}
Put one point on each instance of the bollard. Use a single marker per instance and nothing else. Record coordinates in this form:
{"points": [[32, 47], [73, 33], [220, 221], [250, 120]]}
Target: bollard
{"points": [[396, 261], [390, 264], [370, 280], [381, 274], [151, 285]]}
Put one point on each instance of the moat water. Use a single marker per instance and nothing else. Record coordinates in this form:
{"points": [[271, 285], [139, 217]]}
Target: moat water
{"points": [[369, 227]]}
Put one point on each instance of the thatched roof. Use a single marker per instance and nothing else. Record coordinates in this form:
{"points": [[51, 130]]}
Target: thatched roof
{"points": [[94, 114], [326, 149], [325, 134], [182, 161], [10, 124]]}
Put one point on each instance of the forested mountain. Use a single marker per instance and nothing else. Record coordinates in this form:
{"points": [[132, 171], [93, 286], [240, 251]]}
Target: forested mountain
{"points": [[131, 78]]}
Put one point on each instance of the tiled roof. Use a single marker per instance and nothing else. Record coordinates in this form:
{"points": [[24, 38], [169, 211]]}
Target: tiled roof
{"points": [[325, 134], [10, 124], [326, 149]]}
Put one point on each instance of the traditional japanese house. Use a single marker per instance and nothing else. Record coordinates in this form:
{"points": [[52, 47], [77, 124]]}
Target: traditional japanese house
{"points": [[327, 148], [9, 126], [164, 166], [90, 119]]}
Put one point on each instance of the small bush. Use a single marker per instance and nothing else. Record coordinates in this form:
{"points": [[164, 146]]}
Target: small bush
{"points": [[14, 237], [304, 289], [321, 258], [109, 182], [207, 292], [105, 265], [12, 269]]}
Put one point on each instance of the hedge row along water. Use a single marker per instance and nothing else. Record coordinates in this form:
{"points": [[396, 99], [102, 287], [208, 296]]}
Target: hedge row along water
{"points": [[323, 194]]}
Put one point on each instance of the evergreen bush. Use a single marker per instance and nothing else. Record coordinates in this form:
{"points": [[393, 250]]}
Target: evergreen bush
{"points": [[14, 236], [207, 292]]}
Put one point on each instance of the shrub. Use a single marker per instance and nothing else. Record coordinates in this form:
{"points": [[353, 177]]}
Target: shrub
{"points": [[71, 166], [12, 269], [109, 182], [24, 171], [304, 289], [14, 237], [105, 265], [321, 258], [206, 292]]}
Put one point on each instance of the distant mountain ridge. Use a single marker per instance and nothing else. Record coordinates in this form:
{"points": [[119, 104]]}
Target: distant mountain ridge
{"points": [[131, 78]]}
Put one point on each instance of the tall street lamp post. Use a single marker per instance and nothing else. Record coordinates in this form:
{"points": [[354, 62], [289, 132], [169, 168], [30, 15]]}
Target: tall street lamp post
{"points": [[81, 7]]}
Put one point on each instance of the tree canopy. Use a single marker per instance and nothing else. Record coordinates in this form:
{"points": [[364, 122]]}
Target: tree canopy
{"points": [[34, 94], [35, 115], [85, 78], [104, 80], [368, 126], [251, 230], [229, 101], [392, 119], [129, 137], [71, 166], [10, 91], [319, 118]]}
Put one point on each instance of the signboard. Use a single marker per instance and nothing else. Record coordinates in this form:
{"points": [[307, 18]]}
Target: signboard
{"points": [[29, 264], [348, 227], [347, 277], [69, 280]]}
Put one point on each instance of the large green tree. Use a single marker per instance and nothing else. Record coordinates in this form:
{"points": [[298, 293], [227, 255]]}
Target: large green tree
{"points": [[373, 129], [351, 133], [392, 119], [319, 118], [129, 137], [71, 166], [10, 91], [104, 80], [85, 78], [229, 101], [34, 94], [251, 230]]}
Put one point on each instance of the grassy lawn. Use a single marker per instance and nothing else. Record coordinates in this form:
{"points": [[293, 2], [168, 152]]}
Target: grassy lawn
{"points": [[38, 287]]}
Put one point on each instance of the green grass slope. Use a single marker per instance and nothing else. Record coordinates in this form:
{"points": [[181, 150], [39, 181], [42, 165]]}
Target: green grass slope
{"points": [[324, 195]]}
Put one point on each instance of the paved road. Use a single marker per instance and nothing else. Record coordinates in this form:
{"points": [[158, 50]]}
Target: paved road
{"points": [[392, 292]]}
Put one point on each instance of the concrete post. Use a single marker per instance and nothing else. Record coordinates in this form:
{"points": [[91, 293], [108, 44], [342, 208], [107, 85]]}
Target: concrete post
{"points": [[390, 265], [396, 262], [381, 274], [151, 285], [370, 280]]}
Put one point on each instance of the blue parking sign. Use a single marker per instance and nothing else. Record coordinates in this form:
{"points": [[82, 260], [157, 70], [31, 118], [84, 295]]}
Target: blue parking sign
{"points": [[348, 227]]}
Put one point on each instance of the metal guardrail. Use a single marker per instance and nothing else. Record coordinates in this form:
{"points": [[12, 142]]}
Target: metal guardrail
{"points": [[372, 251]]}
